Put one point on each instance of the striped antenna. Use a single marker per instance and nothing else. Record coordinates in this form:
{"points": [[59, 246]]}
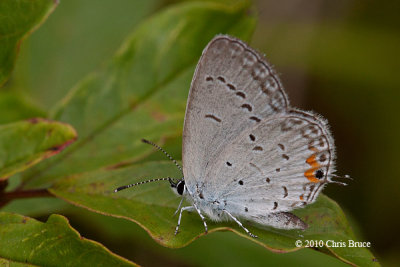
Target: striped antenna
{"points": [[163, 151], [144, 182]]}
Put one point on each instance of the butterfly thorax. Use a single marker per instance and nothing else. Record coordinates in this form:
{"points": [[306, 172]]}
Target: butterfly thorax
{"points": [[211, 205]]}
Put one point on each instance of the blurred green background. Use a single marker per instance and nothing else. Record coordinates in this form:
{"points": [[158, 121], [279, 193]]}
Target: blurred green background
{"points": [[338, 58]]}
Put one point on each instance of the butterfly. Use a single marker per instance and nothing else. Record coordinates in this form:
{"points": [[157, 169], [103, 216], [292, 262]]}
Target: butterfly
{"points": [[247, 154]]}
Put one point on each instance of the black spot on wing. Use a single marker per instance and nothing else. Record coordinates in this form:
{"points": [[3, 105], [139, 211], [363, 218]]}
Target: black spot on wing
{"points": [[285, 192], [247, 106], [258, 148], [221, 79], [254, 118], [231, 86], [252, 137], [319, 174], [241, 94], [211, 116]]}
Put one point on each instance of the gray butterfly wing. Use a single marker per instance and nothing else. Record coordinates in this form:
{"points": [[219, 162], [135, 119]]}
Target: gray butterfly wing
{"points": [[281, 163], [233, 88]]}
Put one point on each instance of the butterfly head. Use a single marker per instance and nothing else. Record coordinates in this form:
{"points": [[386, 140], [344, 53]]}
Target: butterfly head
{"points": [[178, 187]]}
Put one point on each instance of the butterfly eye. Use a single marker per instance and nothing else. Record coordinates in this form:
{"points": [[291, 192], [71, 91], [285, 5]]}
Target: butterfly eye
{"points": [[180, 187]]}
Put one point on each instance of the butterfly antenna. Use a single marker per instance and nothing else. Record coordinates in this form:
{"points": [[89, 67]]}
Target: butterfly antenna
{"points": [[144, 182], [165, 152]]}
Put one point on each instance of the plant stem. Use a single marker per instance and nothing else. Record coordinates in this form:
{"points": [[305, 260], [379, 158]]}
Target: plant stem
{"points": [[6, 197]]}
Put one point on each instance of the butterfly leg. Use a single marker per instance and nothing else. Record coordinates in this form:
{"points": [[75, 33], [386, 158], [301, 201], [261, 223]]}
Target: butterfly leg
{"points": [[240, 224], [180, 216], [202, 218], [179, 207]]}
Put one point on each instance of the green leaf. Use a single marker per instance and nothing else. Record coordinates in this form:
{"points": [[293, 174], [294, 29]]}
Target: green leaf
{"points": [[54, 243], [73, 42], [222, 248], [152, 206], [142, 92], [18, 18], [25, 143], [15, 106], [4, 262]]}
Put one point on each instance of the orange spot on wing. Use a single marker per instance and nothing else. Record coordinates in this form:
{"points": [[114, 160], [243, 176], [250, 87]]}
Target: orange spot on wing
{"points": [[310, 173], [312, 161], [302, 197]]}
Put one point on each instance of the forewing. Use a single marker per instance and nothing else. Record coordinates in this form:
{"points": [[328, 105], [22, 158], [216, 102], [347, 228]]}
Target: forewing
{"points": [[233, 89], [279, 164]]}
